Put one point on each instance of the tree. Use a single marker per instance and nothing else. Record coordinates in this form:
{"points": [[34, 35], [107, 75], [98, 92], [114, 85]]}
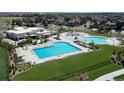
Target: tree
{"points": [[76, 38], [101, 28], [119, 57], [46, 39], [83, 20], [29, 40], [1, 37], [113, 52], [62, 29], [18, 22], [92, 44], [45, 24], [119, 25], [28, 24], [58, 35], [122, 62], [67, 18], [13, 22], [11, 48]]}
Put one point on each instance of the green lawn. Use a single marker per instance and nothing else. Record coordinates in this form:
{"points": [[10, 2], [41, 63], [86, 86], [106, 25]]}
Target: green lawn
{"points": [[51, 69], [119, 78], [3, 63], [102, 71], [3, 21], [92, 75]]}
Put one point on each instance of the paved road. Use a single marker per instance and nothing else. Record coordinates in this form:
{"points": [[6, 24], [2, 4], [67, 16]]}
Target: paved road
{"points": [[110, 76]]}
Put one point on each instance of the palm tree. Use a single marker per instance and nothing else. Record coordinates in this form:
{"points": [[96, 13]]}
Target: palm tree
{"points": [[113, 57], [58, 35], [113, 52], [76, 38], [46, 39], [29, 40], [11, 48], [101, 28], [119, 59], [92, 44]]}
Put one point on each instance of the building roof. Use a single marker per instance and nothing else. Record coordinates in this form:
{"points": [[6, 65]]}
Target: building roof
{"points": [[20, 30], [110, 23], [35, 28], [94, 29]]}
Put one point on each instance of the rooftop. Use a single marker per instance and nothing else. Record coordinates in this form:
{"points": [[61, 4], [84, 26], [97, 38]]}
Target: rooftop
{"points": [[21, 30]]}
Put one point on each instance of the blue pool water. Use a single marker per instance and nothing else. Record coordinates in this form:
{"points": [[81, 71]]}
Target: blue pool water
{"points": [[95, 39], [58, 48], [89, 39]]}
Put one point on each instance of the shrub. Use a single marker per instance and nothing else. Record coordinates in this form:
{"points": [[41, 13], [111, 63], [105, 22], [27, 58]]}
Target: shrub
{"points": [[29, 40], [46, 40], [35, 42]]}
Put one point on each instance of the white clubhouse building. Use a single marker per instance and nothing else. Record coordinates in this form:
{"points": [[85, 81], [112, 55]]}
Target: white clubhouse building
{"points": [[19, 33]]}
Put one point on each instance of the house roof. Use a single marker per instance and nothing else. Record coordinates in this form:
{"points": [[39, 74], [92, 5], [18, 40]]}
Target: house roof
{"points": [[94, 29]]}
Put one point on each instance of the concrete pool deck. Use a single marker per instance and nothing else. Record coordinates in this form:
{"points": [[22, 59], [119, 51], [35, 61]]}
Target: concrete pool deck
{"points": [[30, 56], [110, 41]]}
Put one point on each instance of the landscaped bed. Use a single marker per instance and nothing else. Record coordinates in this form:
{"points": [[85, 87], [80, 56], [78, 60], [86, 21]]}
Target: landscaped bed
{"points": [[3, 64], [55, 68]]}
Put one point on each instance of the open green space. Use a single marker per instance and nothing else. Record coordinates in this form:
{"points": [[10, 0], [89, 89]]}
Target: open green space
{"points": [[102, 71], [8, 19], [4, 20], [48, 70], [3, 64], [119, 78], [92, 75]]}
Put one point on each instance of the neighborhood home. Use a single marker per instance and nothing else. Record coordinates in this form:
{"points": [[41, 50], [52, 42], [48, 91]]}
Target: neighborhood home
{"points": [[110, 25], [94, 30]]}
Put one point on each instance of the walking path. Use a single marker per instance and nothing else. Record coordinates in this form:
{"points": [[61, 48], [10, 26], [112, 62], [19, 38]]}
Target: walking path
{"points": [[110, 76]]}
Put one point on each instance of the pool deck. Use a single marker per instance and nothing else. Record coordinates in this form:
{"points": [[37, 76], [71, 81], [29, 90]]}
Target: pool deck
{"points": [[109, 41], [29, 55]]}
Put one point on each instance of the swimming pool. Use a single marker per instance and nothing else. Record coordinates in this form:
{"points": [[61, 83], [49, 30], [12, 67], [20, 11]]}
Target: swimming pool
{"points": [[95, 39], [58, 48]]}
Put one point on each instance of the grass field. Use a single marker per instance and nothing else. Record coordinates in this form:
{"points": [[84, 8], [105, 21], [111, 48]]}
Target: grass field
{"points": [[8, 19], [119, 78], [3, 63], [3, 21], [51, 69], [92, 75], [102, 71]]}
